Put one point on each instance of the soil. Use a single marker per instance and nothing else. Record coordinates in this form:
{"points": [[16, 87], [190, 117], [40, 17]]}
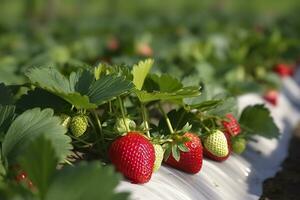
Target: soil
{"points": [[286, 183]]}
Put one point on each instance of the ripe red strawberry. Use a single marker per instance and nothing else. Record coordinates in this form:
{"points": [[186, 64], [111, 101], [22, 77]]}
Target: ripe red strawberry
{"points": [[284, 70], [231, 125], [217, 146], [191, 161], [271, 96], [133, 155]]}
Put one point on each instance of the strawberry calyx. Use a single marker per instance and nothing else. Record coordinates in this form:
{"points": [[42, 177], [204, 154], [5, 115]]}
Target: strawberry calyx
{"points": [[175, 145]]}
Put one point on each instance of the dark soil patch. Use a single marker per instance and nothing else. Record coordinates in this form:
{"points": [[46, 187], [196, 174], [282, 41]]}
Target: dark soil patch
{"points": [[286, 184]]}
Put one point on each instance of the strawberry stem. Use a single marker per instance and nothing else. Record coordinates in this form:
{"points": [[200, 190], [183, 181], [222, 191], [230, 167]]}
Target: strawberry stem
{"points": [[80, 140], [110, 107], [166, 118], [145, 119], [122, 112], [100, 131]]}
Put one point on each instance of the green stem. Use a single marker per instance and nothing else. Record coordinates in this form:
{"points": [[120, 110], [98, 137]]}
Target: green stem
{"points": [[110, 107], [123, 112], [101, 140], [100, 129], [166, 118], [78, 139], [145, 119]]}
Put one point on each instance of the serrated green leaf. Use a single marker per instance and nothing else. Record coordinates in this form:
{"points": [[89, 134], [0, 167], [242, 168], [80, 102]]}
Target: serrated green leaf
{"points": [[167, 83], [85, 181], [39, 161], [206, 105], [156, 95], [140, 72], [84, 82], [78, 100], [257, 120], [228, 105], [53, 81], [108, 87], [30, 125]]}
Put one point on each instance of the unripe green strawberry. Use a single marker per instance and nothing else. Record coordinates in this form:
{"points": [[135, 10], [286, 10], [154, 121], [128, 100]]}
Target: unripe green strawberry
{"points": [[120, 125], [65, 120], [238, 145], [159, 155], [79, 124], [216, 146]]}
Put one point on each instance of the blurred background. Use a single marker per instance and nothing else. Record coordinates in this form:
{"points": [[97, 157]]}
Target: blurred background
{"points": [[241, 41]]}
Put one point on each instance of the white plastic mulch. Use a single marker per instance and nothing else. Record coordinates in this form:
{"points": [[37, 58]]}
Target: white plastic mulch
{"points": [[239, 177]]}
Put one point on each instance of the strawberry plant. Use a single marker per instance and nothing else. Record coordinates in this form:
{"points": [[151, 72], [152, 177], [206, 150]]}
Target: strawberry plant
{"points": [[74, 119], [126, 116]]}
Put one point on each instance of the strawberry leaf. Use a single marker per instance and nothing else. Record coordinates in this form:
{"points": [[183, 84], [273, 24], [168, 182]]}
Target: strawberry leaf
{"points": [[80, 89], [165, 87], [108, 87], [140, 72], [257, 120], [166, 83], [52, 80], [176, 95], [6, 116], [206, 105], [39, 161], [85, 181], [30, 125], [228, 105]]}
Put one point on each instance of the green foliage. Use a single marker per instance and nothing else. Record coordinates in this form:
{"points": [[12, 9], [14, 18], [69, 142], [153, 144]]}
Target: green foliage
{"points": [[166, 88], [90, 92], [140, 72], [85, 181], [39, 161], [257, 120], [6, 116], [30, 125], [53, 81], [166, 96], [107, 88]]}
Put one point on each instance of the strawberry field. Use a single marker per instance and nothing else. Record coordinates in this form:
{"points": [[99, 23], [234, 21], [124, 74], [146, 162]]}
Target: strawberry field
{"points": [[163, 100]]}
